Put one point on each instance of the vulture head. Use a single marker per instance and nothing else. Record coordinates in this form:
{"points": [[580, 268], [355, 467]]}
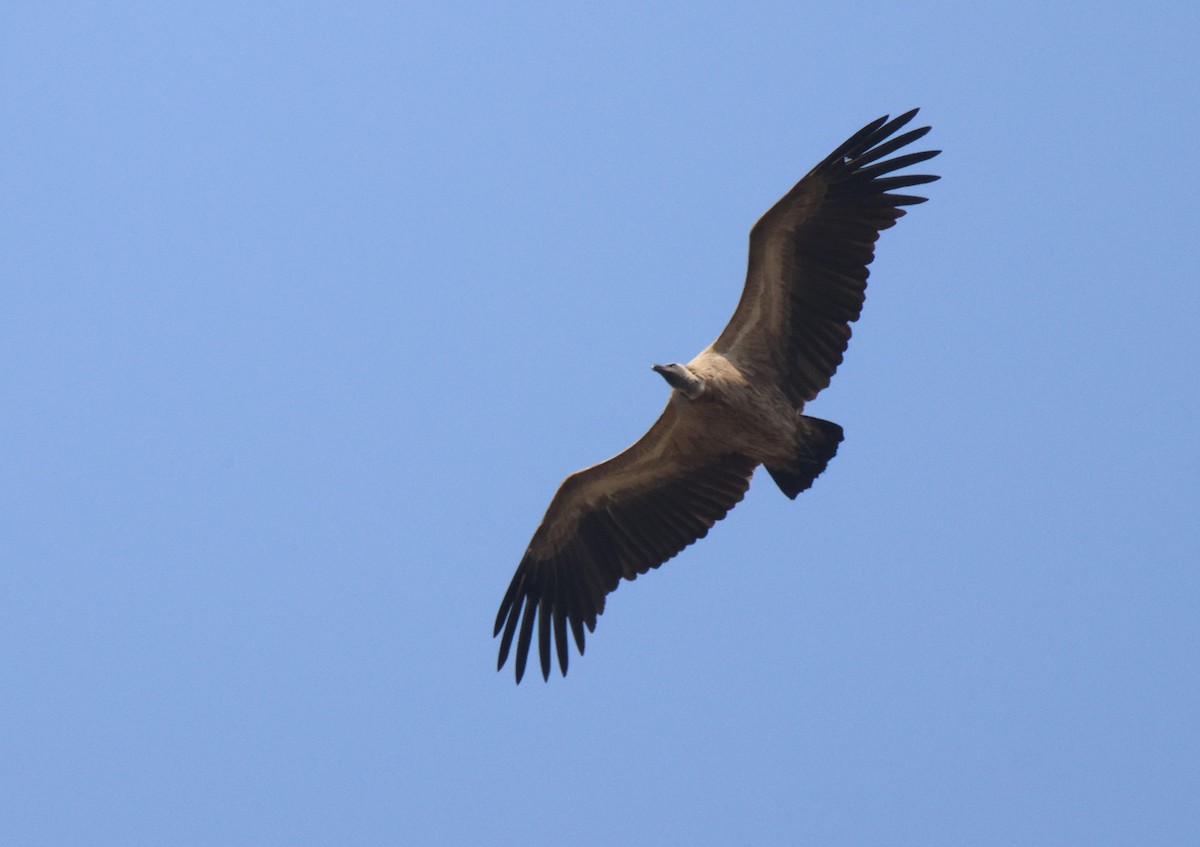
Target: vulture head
{"points": [[681, 379]]}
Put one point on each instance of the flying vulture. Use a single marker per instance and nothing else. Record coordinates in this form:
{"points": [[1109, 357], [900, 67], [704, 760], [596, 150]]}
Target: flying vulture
{"points": [[734, 407]]}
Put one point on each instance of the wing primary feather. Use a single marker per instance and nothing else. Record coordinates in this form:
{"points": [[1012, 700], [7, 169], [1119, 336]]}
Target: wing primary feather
{"points": [[866, 138], [893, 164], [506, 603], [891, 146], [545, 619], [560, 623], [892, 125], [853, 143], [510, 627], [889, 182], [526, 634], [575, 613]]}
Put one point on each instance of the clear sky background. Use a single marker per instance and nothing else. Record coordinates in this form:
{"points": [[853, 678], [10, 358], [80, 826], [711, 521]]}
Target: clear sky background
{"points": [[307, 308]]}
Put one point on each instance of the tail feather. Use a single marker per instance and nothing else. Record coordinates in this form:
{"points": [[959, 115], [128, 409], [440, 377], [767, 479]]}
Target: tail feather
{"points": [[816, 444]]}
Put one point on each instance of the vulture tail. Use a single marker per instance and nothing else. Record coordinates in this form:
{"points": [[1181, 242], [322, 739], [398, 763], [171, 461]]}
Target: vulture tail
{"points": [[816, 443]]}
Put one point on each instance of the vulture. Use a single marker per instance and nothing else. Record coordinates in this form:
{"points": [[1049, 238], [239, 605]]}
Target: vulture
{"points": [[737, 405]]}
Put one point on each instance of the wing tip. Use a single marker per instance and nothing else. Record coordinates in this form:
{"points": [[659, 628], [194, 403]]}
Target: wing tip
{"points": [[527, 605], [875, 140]]}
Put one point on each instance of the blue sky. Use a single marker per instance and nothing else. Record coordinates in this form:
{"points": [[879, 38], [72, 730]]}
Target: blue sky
{"points": [[307, 309]]}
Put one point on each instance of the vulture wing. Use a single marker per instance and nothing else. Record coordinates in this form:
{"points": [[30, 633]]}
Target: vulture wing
{"points": [[807, 274], [616, 519]]}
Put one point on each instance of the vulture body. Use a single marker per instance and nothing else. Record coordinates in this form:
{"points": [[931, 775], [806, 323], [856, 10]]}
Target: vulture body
{"points": [[735, 406]]}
